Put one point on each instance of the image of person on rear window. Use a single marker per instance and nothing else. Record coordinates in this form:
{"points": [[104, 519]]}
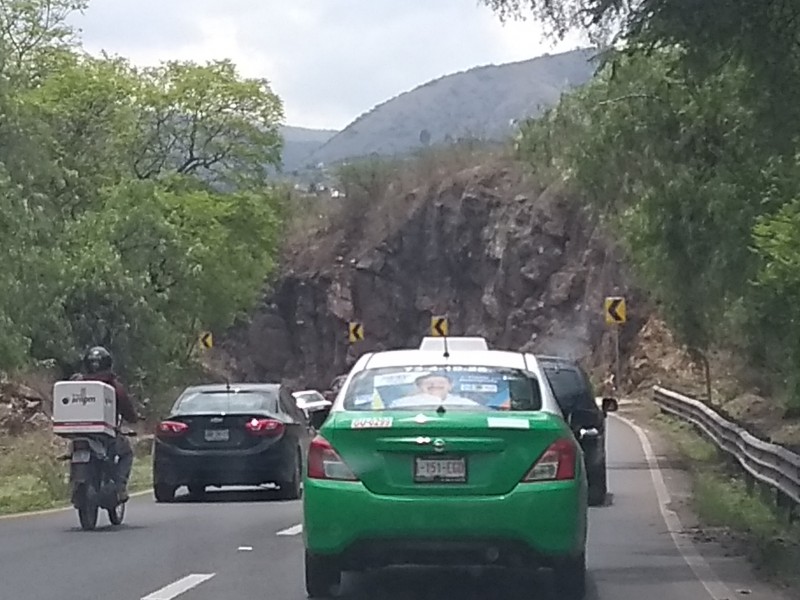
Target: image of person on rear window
{"points": [[433, 389]]}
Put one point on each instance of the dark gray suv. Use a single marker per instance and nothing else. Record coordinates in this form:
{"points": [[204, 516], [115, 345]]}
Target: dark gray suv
{"points": [[575, 394]]}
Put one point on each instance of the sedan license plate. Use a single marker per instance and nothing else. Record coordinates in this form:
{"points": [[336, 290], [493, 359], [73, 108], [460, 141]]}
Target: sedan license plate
{"points": [[217, 435], [80, 456], [440, 470]]}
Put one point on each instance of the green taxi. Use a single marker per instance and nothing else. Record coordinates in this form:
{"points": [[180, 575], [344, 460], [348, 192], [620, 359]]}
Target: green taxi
{"points": [[445, 455]]}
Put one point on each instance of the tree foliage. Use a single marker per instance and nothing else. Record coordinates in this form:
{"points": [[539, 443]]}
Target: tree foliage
{"points": [[686, 141], [136, 210]]}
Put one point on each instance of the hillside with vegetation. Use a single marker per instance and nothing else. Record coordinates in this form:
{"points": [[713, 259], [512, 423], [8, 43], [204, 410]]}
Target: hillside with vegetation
{"points": [[683, 147], [138, 211], [686, 143], [299, 143], [480, 103]]}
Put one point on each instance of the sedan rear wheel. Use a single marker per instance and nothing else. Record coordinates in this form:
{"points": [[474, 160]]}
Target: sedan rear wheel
{"points": [[292, 490], [164, 492], [322, 575]]}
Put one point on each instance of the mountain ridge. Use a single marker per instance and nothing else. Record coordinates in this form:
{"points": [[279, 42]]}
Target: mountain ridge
{"points": [[482, 101]]}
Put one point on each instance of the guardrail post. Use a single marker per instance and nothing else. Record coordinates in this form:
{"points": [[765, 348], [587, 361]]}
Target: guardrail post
{"points": [[767, 493], [786, 506], [750, 482]]}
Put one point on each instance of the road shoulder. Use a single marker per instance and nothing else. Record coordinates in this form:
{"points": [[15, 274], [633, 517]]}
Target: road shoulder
{"points": [[721, 551]]}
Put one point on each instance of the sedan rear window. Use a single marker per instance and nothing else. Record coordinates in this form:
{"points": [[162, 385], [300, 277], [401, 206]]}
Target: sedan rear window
{"points": [[456, 387], [231, 403]]}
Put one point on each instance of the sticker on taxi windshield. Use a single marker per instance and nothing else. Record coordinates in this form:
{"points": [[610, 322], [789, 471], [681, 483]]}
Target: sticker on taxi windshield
{"points": [[480, 387], [371, 423], [508, 423]]}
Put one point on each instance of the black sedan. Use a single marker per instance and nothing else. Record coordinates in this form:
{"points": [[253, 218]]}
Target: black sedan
{"points": [[575, 395], [231, 434]]}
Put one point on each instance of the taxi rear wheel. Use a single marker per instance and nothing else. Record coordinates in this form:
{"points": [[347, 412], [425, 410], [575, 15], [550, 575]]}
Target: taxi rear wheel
{"points": [[322, 575], [570, 578]]}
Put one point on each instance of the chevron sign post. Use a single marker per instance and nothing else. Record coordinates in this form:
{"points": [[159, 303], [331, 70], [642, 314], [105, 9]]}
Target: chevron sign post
{"points": [[616, 314]]}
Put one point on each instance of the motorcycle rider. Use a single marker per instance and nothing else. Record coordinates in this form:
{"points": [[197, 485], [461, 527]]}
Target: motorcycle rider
{"points": [[97, 365]]}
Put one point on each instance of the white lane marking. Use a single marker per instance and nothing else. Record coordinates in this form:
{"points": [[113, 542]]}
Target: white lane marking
{"points": [[699, 566], [245, 548], [173, 590], [293, 530]]}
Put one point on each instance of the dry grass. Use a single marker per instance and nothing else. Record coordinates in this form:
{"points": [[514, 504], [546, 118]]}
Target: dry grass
{"points": [[722, 500], [32, 477], [382, 194]]}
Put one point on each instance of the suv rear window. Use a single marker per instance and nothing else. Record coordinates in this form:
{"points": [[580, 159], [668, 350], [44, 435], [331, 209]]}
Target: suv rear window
{"points": [[456, 387], [572, 390], [233, 402]]}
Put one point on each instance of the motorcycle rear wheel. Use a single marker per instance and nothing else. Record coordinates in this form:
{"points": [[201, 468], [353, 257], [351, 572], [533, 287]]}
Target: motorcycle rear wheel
{"points": [[87, 508]]}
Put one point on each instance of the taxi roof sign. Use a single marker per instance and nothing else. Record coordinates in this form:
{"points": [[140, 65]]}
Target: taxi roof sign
{"points": [[454, 344]]}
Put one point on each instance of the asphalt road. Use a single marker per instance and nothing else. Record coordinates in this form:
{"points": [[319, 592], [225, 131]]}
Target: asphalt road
{"points": [[247, 546]]}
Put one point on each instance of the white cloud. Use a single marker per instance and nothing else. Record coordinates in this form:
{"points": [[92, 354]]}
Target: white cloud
{"points": [[329, 60]]}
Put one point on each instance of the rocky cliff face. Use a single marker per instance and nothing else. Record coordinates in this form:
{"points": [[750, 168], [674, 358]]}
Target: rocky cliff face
{"points": [[502, 257], [21, 408]]}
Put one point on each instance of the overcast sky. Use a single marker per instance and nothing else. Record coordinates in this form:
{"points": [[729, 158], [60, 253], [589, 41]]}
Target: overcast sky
{"points": [[328, 60]]}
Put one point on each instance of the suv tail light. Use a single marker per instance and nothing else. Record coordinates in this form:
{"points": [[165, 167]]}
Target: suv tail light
{"points": [[265, 427], [556, 464], [167, 429], [325, 463]]}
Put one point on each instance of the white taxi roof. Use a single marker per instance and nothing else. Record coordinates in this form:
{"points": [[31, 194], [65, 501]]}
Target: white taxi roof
{"points": [[437, 344], [484, 358]]}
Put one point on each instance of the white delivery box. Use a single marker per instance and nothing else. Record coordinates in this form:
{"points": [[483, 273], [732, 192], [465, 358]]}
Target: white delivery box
{"points": [[81, 407]]}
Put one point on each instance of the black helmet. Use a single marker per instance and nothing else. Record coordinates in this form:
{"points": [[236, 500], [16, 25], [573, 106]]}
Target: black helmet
{"points": [[97, 360]]}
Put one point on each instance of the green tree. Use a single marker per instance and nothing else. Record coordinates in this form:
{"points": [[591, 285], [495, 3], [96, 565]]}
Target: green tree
{"points": [[205, 120], [33, 35], [136, 204]]}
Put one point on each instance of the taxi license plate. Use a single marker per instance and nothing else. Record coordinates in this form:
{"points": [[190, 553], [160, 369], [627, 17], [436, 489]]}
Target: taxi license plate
{"points": [[217, 435], [440, 470]]}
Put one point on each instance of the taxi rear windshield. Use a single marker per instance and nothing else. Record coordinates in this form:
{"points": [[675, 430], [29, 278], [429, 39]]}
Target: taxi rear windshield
{"points": [[454, 387]]}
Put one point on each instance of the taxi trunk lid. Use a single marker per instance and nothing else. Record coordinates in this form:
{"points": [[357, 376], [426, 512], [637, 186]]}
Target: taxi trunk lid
{"points": [[459, 452]]}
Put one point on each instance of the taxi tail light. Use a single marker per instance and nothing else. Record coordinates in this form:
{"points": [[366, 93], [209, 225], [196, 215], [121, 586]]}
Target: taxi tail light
{"points": [[325, 463], [556, 464]]}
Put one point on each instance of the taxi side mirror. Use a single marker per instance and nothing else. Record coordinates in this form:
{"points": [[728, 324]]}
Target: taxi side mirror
{"points": [[610, 404]]}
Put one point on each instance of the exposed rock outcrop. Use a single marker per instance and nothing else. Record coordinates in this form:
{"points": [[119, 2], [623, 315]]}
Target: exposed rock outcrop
{"points": [[21, 408], [524, 266]]}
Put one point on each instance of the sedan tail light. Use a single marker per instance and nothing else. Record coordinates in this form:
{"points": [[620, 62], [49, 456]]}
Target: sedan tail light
{"points": [[170, 429], [265, 427], [325, 463], [556, 464]]}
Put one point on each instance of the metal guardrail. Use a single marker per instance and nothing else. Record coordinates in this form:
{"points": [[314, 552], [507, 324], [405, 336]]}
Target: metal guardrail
{"points": [[771, 464]]}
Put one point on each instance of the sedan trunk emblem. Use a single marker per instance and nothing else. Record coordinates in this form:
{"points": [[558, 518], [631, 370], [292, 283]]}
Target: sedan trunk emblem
{"points": [[438, 444]]}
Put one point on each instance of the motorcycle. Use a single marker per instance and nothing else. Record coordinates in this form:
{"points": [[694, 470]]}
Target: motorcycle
{"points": [[93, 470]]}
